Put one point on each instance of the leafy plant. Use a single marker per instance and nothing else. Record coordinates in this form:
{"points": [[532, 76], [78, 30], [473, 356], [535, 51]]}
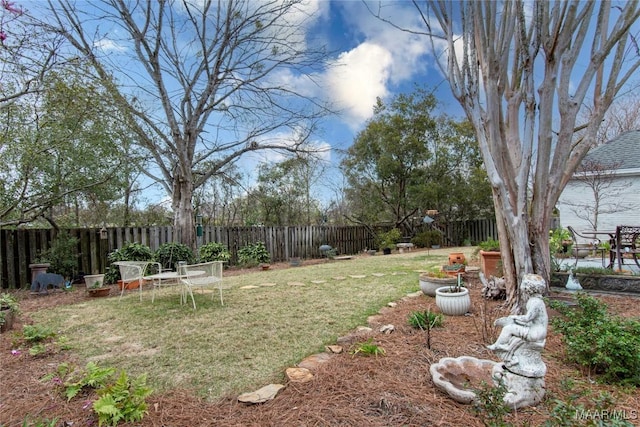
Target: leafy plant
{"points": [[8, 303], [489, 245], [128, 252], [368, 348], [214, 252], [93, 376], [388, 239], [490, 404], [603, 343], [62, 255], [124, 400], [169, 254], [425, 319], [37, 333], [437, 273], [254, 254]]}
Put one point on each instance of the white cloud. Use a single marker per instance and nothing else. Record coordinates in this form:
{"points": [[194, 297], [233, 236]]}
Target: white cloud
{"points": [[383, 58], [108, 45], [356, 78]]}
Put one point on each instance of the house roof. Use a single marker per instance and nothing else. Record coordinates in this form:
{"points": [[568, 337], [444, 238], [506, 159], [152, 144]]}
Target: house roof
{"points": [[622, 151]]}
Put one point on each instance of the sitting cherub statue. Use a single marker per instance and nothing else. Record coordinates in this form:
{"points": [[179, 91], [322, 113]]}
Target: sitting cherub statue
{"points": [[530, 328]]}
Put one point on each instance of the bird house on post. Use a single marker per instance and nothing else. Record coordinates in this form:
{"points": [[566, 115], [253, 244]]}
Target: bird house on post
{"points": [[103, 234]]}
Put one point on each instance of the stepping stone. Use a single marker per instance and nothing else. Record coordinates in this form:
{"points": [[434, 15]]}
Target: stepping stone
{"points": [[317, 282], [249, 287], [296, 284], [377, 274], [357, 276], [336, 349], [339, 278], [266, 393], [299, 375], [268, 284], [312, 362], [399, 273]]}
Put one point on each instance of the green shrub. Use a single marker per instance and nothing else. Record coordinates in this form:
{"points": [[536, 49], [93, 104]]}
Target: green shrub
{"points": [[169, 254], [606, 344], [214, 252], [388, 239], [424, 319], [490, 404], [426, 239], [128, 252], [62, 255], [253, 254]]}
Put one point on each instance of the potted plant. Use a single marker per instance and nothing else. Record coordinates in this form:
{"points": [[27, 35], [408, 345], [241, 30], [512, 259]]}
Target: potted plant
{"points": [[9, 308], [432, 280], [453, 300], [453, 269], [94, 280], [388, 240], [96, 289], [490, 258]]}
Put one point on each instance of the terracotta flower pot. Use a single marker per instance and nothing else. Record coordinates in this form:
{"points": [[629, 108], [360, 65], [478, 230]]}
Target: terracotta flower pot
{"points": [[99, 292], [130, 285], [490, 263]]}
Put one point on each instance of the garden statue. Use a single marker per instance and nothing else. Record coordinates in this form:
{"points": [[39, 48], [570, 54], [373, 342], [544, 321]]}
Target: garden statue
{"points": [[519, 346], [43, 280]]}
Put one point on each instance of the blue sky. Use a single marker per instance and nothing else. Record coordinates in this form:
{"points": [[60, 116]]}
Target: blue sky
{"points": [[370, 59]]}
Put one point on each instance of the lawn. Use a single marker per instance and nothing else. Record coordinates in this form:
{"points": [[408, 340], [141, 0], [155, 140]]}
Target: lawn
{"points": [[270, 320]]}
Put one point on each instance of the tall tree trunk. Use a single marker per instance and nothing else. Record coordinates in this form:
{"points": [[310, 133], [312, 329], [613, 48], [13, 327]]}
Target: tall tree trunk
{"points": [[183, 215]]}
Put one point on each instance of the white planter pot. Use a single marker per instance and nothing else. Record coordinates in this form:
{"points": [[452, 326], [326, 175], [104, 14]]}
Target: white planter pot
{"points": [[428, 285], [453, 304], [91, 279]]}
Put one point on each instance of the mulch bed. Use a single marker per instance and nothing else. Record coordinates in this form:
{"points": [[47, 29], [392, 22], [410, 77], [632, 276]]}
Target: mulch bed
{"points": [[349, 390]]}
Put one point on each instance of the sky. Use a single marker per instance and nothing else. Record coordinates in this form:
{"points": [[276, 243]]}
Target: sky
{"points": [[370, 59]]}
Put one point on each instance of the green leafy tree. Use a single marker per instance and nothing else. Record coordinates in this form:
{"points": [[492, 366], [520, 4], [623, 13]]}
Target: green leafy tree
{"points": [[407, 160], [282, 195], [59, 151]]}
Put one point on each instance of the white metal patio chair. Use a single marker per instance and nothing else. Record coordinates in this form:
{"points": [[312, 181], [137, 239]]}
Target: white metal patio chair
{"points": [[130, 271], [203, 275]]}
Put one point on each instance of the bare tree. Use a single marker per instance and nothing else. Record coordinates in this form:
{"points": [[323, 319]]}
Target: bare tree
{"points": [[522, 72], [601, 181], [207, 82], [27, 54], [623, 116]]}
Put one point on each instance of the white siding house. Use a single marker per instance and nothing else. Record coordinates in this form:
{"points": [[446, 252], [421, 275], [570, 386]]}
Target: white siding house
{"points": [[620, 197]]}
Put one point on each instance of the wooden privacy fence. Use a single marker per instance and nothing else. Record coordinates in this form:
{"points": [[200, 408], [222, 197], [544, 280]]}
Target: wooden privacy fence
{"points": [[19, 248]]}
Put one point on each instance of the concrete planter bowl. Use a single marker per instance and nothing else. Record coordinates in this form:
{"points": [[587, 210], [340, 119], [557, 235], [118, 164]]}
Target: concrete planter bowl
{"points": [[429, 284]]}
